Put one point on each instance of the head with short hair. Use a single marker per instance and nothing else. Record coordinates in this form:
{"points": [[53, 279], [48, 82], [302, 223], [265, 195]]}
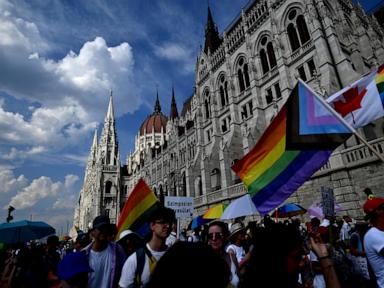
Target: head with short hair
{"points": [[160, 222], [53, 241], [368, 191], [315, 222], [164, 214], [102, 229]]}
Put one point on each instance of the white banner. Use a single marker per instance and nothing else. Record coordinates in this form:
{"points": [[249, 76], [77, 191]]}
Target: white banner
{"points": [[183, 206]]}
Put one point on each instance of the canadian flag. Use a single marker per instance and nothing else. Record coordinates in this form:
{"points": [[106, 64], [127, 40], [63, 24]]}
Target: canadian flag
{"points": [[363, 101]]}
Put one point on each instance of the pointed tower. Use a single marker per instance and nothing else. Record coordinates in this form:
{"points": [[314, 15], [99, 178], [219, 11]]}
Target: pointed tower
{"points": [[173, 114], [157, 109], [108, 146], [212, 37], [108, 189], [92, 158]]}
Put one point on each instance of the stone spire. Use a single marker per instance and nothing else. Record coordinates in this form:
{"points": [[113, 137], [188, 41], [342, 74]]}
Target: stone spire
{"points": [[157, 104], [110, 114], [108, 146], [92, 157], [174, 114], [212, 38], [94, 143]]}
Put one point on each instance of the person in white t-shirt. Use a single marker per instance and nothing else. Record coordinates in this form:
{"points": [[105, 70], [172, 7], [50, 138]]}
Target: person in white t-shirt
{"points": [[160, 223], [374, 238], [105, 257]]}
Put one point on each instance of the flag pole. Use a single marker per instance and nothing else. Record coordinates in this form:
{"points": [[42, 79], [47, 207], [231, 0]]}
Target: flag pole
{"points": [[353, 130]]}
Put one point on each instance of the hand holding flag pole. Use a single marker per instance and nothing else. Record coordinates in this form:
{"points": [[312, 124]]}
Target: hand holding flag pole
{"points": [[353, 130]]}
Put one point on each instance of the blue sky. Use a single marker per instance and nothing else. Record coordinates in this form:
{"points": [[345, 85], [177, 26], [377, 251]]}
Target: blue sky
{"points": [[59, 59]]}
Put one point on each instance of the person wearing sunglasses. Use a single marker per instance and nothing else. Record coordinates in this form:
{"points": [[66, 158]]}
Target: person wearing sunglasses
{"points": [[138, 268], [217, 239]]}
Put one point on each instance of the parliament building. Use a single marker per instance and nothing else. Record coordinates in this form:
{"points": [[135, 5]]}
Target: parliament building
{"points": [[242, 78]]}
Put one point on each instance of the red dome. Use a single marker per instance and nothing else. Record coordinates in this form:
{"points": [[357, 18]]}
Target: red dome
{"points": [[156, 120]]}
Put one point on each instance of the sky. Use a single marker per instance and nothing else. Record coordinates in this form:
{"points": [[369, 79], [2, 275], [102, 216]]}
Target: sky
{"points": [[59, 60]]}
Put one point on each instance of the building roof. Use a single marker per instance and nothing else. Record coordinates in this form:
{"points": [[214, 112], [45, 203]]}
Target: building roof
{"points": [[156, 120]]}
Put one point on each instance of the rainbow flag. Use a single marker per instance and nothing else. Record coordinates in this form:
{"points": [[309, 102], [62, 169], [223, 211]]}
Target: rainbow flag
{"points": [[294, 146], [134, 215], [363, 101]]}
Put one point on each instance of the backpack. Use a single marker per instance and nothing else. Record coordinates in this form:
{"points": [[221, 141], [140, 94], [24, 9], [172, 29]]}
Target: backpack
{"points": [[140, 260]]}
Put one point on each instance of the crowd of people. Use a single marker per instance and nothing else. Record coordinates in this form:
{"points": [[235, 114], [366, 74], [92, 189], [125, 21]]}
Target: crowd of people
{"points": [[320, 253]]}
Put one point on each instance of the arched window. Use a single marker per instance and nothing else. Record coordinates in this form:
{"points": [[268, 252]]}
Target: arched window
{"points": [[271, 55], [302, 28], [207, 104], [264, 61], [267, 55], [242, 74], [293, 39], [246, 75], [297, 28], [223, 91], [108, 187]]}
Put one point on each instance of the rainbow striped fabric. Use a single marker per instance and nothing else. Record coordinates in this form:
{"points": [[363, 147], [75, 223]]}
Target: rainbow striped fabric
{"points": [[295, 145], [134, 215], [363, 101], [380, 83]]}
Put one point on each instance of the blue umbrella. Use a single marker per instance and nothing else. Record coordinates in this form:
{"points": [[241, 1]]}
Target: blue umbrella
{"points": [[22, 231], [197, 222], [290, 210]]}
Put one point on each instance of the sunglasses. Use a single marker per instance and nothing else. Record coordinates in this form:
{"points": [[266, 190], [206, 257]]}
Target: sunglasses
{"points": [[214, 236]]}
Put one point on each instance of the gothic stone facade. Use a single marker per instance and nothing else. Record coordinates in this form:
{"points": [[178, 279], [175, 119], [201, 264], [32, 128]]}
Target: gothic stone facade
{"points": [[242, 79]]}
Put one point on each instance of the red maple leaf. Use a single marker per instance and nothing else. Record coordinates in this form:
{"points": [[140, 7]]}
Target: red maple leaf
{"points": [[352, 101]]}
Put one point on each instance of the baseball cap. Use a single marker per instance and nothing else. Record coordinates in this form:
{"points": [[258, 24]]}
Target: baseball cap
{"points": [[372, 204], [101, 220]]}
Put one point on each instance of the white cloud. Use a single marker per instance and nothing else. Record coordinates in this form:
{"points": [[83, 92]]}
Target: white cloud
{"points": [[15, 153], [40, 188], [71, 93], [172, 51], [70, 180], [78, 159], [16, 32], [9, 183], [68, 202], [95, 67], [41, 199], [176, 52]]}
